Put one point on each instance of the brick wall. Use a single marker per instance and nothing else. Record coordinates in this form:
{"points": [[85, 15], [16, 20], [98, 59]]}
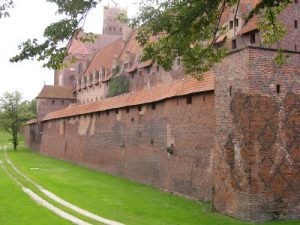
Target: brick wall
{"points": [[134, 144], [256, 145], [46, 105]]}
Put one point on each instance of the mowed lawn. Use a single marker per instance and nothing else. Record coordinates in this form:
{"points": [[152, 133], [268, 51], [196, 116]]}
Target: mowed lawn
{"points": [[116, 198], [16, 208]]}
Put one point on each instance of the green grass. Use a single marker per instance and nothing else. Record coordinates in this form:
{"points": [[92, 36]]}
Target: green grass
{"points": [[116, 198], [16, 208]]}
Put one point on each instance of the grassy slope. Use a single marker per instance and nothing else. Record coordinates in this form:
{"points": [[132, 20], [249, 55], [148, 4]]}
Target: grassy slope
{"points": [[16, 208], [116, 198]]}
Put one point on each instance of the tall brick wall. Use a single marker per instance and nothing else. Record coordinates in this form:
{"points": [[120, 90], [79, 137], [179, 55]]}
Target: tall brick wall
{"points": [[257, 173], [134, 145]]}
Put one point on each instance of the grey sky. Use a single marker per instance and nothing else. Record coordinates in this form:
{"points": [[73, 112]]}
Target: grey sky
{"points": [[28, 20]]}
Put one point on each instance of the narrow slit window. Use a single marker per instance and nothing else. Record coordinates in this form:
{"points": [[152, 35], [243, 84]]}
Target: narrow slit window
{"points": [[236, 22], [233, 44], [230, 24], [278, 88], [117, 111], [127, 110], [139, 108], [296, 24], [189, 99], [153, 106], [230, 90], [252, 38]]}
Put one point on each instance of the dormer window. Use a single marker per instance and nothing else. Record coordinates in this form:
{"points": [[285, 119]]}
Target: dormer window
{"points": [[252, 37], [236, 22], [233, 44]]}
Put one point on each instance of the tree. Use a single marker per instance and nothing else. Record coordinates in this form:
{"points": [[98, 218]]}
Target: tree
{"points": [[13, 114], [184, 28], [4, 6]]}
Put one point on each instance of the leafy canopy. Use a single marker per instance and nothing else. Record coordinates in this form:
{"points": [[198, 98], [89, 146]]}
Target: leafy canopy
{"points": [[166, 29], [14, 113]]}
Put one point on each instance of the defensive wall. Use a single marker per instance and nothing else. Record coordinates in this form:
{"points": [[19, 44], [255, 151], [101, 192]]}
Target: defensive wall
{"points": [[235, 143]]}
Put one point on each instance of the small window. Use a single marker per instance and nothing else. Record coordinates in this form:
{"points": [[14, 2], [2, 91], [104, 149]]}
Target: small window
{"points": [[296, 24], [107, 112], [252, 38], [233, 44], [139, 108], [53, 102], [189, 99], [127, 109], [278, 88], [236, 22], [148, 69], [62, 102], [153, 106], [132, 75], [117, 111], [230, 24]]}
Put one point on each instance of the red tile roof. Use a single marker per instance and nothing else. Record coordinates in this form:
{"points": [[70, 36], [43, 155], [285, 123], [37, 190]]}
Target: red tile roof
{"points": [[77, 47], [105, 57], [178, 88], [32, 121], [50, 91], [250, 26]]}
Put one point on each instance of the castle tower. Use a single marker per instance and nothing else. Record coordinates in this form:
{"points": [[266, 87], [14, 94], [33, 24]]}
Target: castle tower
{"points": [[111, 24]]}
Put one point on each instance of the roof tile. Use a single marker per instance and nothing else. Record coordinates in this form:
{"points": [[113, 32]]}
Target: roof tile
{"points": [[178, 88]]}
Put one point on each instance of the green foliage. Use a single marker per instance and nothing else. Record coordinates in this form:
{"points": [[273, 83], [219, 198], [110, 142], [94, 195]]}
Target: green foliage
{"points": [[118, 85], [13, 114], [189, 28], [4, 6], [52, 50], [182, 28]]}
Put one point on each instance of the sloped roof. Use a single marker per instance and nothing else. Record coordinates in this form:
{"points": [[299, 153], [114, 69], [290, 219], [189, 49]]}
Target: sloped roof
{"points": [[84, 48], [32, 121], [178, 88], [54, 91], [77, 47], [131, 46], [251, 25], [105, 56]]}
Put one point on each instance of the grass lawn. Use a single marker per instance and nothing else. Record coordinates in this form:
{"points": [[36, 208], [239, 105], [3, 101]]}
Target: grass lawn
{"points": [[116, 198], [16, 208]]}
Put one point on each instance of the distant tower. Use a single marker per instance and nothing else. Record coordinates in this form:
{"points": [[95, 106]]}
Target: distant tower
{"points": [[111, 24]]}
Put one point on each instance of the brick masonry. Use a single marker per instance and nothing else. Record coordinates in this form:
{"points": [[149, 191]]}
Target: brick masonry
{"points": [[134, 144], [237, 146], [256, 154]]}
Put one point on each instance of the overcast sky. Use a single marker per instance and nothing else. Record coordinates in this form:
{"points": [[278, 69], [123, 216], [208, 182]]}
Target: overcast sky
{"points": [[28, 20]]}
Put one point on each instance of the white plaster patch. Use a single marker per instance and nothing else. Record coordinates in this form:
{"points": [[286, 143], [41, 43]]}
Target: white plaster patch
{"points": [[93, 125], [61, 127], [143, 111], [84, 124], [170, 138], [119, 115]]}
